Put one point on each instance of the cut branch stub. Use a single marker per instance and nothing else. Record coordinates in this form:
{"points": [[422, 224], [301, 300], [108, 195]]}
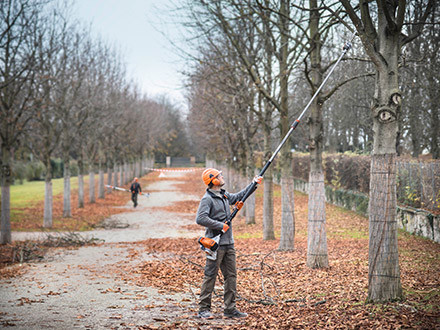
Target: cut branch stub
{"points": [[396, 98], [388, 113]]}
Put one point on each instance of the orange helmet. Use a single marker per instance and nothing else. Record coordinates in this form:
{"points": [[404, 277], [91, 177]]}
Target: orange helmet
{"points": [[209, 176], [135, 179]]}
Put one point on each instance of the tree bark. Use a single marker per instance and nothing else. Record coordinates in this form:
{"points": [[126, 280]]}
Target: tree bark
{"points": [[121, 174], [48, 196], [6, 197], [287, 208], [67, 211], [317, 256], [109, 178], [115, 174], [80, 183], [250, 202], [383, 258], [268, 227], [287, 239], [101, 190], [91, 184], [268, 230], [435, 118]]}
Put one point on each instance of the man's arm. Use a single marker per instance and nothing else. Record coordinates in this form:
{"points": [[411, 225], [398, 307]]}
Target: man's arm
{"points": [[203, 218], [234, 198]]}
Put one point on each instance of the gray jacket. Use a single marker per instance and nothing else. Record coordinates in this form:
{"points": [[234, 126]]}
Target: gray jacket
{"points": [[214, 210]]}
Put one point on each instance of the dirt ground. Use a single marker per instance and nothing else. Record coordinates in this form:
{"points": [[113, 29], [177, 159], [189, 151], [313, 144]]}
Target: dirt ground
{"points": [[79, 288], [148, 275]]}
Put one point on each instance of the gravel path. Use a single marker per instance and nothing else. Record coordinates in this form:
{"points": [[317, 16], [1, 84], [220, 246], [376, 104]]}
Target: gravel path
{"points": [[78, 289]]}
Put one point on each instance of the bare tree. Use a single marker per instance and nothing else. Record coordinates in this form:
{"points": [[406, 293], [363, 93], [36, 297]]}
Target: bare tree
{"points": [[286, 54], [383, 38], [46, 126], [421, 65], [76, 46], [18, 26]]}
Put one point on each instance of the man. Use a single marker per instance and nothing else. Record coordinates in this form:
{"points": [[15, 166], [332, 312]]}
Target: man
{"points": [[212, 213], [135, 189]]}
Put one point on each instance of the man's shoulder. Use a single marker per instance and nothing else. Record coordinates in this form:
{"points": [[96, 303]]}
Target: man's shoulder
{"points": [[207, 196]]}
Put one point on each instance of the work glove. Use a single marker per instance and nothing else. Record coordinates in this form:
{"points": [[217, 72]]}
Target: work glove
{"points": [[258, 179], [225, 227]]}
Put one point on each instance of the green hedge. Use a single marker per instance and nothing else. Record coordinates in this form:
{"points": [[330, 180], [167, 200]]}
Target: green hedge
{"points": [[341, 171], [417, 182], [35, 171]]}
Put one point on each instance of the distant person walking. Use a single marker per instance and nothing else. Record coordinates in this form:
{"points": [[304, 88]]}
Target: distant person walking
{"points": [[135, 189]]}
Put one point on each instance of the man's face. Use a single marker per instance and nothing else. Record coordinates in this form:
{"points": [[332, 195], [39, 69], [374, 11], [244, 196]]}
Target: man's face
{"points": [[220, 178]]}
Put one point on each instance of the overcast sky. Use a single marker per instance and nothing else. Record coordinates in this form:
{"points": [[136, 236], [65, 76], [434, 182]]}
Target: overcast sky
{"points": [[129, 24]]}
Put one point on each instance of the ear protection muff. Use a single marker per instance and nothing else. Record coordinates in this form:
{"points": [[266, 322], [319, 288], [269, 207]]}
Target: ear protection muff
{"points": [[215, 181]]}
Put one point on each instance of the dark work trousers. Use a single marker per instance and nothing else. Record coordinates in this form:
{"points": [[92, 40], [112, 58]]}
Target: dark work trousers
{"points": [[226, 261], [134, 198]]}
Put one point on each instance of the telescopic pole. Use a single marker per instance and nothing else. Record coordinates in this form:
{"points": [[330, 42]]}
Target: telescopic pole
{"points": [[253, 187]]}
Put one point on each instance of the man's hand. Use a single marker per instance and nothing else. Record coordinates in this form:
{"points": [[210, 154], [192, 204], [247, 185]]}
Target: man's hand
{"points": [[225, 228], [258, 179]]}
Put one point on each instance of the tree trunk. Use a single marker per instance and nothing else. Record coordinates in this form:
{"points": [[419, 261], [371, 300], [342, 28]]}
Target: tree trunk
{"points": [[67, 211], [127, 173], [80, 183], [243, 182], [384, 274], [287, 207], [121, 174], [115, 172], [268, 230], [91, 184], [268, 227], [435, 118], [415, 133], [48, 196], [287, 239], [101, 190], [317, 255], [383, 259], [6, 197], [109, 178], [250, 202]]}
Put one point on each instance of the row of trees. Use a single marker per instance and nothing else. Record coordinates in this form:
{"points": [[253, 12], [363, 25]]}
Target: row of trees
{"points": [[260, 61], [65, 93]]}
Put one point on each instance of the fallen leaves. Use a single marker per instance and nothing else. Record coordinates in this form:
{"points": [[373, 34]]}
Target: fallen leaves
{"points": [[278, 290]]}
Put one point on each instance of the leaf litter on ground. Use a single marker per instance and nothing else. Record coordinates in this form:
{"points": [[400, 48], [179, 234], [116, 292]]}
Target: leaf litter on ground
{"points": [[276, 288]]}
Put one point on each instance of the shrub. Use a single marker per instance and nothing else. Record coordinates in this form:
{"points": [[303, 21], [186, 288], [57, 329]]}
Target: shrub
{"points": [[18, 171], [35, 171]]}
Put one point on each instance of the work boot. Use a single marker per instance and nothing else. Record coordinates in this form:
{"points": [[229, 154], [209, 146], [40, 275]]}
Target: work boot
{"points": [[204, 314], [235, 313]]}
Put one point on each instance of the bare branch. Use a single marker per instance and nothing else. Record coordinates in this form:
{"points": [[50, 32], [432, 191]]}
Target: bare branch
{"points": [[419, 25], [327, 95]]}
